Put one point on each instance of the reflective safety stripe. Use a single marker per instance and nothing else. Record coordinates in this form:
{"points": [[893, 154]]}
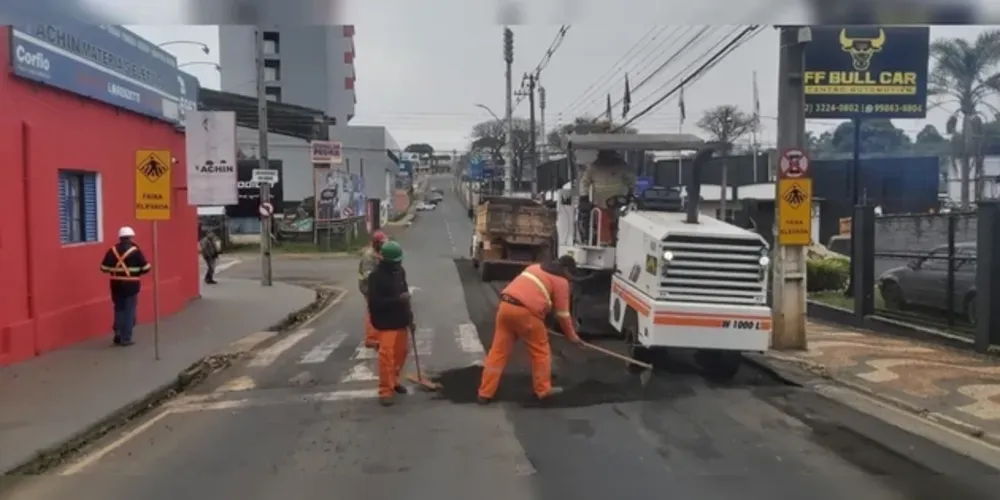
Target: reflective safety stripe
{"points": [[562, 314], [121, 267], [541, 286]]}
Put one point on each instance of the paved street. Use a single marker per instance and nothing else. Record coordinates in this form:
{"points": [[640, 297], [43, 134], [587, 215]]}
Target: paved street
{"points": [[299, 420]]}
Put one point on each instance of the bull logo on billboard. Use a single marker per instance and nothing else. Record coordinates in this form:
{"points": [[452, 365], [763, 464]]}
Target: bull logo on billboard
{"points": [[862, 49]]}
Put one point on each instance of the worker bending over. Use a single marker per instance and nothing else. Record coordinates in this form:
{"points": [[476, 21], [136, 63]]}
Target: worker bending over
{"points": [[124, 263], [391, 315], [524, 304], [369, 259]]}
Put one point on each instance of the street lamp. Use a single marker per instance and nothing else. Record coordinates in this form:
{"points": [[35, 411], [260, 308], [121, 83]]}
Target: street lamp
{"points": [[193, 63], [490, 111], [204, 47]]}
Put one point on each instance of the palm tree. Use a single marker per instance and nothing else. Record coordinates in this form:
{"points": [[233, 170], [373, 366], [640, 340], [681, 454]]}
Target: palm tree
{"points": [[965, 76]]}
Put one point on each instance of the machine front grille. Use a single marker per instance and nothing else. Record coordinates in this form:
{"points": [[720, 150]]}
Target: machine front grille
{"points": [[713, 269]]}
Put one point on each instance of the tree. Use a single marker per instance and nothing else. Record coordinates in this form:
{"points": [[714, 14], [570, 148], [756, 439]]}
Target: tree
{"points": [[727, 124], [878, 136], [930, 141], [491, 137], [965, 76], [423, 149], [583, 125], [820, 146]]}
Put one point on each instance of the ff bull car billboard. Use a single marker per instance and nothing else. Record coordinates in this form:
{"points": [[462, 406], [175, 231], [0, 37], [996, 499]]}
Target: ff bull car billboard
{"points": [[866, 72]]}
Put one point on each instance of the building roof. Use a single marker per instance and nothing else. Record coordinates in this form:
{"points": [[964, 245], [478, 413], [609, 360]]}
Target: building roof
{"points": [[284, 119]]}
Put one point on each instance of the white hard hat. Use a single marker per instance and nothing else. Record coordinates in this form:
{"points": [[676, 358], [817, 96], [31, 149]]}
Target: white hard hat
{"points": [[126, 232]]}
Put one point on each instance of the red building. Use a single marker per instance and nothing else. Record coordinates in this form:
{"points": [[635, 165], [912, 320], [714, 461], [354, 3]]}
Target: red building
{"points": [[67, 164]]}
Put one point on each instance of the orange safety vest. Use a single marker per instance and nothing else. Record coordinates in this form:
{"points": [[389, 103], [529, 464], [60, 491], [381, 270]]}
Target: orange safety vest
{"points": [[122, 267]]}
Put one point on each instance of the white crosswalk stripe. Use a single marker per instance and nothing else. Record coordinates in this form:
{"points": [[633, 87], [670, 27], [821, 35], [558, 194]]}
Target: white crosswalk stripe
{"points": [[323, 350], [272, 353], [468, 339], [360, 373]]}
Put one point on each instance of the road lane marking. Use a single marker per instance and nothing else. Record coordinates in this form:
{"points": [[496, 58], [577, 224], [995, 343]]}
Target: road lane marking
{"points": [[244, 383], [451, 240], [360, 373], [321, 352], [468, 339], [226, 265], [97, 455], [235, 404], [364, 353], [271, 354]]}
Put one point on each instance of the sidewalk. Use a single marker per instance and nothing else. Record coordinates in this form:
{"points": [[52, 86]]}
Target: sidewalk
{"points": [[955, 388], [49, 400]]}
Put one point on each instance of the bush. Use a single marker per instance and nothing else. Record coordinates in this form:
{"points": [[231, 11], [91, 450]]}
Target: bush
{"points": [[827, 274]]}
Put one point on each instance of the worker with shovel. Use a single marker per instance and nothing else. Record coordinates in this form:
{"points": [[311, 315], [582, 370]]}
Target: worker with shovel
{"points": [[369, 260], [524, 304], [391, 315]]}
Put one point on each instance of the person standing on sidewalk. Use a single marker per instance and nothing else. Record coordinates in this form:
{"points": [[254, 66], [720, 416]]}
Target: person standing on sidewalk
{"points": [[211, 248], [392, 316], [124, 263], [369, 260]]}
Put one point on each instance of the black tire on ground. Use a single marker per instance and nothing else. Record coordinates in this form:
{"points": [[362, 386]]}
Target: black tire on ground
{"points": [[635, 351], [719, 366], [892, 295], [485, 271]]}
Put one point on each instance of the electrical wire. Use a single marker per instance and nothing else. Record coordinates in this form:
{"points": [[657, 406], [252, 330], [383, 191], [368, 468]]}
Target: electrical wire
{"points": [[549, 52], [743, 37], [611, 71]]}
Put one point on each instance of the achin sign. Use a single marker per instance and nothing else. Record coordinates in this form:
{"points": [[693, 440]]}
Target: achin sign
{"points": [[867, 72]]}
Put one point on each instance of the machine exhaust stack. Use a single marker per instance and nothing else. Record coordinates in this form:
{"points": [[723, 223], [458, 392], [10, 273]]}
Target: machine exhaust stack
{"points": [[694, 187]]}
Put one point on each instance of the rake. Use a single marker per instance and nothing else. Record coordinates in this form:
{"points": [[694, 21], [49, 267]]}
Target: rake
{"points": [[644, 377], [419, 377]]}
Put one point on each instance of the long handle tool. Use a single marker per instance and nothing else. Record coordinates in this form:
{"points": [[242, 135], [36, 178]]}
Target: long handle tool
{"points": [[646, 375], [419, 378]]}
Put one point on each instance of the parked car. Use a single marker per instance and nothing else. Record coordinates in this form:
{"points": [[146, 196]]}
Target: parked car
{"points": [[425, 207], [923, 283]]}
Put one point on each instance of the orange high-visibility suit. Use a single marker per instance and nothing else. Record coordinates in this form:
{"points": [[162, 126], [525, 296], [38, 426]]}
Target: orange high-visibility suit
{"points": [[368, 262], [525, 302]]}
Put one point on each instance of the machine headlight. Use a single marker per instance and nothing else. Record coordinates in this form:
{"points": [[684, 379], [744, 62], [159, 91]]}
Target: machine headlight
{"points": [[668, 256], [764, 261]]}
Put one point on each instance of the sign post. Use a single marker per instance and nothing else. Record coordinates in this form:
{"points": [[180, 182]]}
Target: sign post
{"points": [[152, 203], [794, 199]]}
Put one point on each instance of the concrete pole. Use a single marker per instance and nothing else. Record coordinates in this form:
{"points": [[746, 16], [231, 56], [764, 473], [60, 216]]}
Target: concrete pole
{"points": [[265, 188], [508, 55], [789, 304], [533, 164], [542, 133]]}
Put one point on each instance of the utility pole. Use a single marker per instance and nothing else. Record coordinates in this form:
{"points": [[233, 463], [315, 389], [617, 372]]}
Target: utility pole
{"points": [[508, 57], [532, 130], [541, 124], [789, 302], [265, 188]]}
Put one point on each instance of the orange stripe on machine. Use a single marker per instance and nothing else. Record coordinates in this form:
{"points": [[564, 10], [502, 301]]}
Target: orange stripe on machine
{"points": [[703, 320]]}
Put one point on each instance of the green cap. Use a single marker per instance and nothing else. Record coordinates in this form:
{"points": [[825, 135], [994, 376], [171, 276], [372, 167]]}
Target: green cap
{"points": [[391, 252]]}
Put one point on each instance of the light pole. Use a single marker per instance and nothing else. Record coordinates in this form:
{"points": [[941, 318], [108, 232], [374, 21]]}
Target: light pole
{"points": [[204, 47], [195, 63], [490, 111]]}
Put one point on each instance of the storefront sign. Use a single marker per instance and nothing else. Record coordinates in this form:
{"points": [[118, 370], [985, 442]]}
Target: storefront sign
{"points": [[249, 191], [105, 63], [211, 154]]}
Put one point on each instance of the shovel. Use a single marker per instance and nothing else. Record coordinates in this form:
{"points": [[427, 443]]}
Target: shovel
{"points": [[646, 375], [419, 378]]}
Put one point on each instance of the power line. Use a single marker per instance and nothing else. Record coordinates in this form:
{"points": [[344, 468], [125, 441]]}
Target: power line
{"points": [[735, 42], [587, 92], [556, 43]]}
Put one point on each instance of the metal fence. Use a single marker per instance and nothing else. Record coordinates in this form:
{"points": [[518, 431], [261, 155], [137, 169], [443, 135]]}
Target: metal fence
{"points": [[925, 269]]}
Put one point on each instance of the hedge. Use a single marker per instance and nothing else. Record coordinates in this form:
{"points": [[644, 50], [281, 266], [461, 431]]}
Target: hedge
{"points": [[827, 274]]}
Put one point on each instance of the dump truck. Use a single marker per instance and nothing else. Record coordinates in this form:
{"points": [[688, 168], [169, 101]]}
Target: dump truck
{"points": [[510, 234]]}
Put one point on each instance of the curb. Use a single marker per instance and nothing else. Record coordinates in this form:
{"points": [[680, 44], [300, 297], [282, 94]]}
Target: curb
{"points": [[47, 458], [803, 373]]}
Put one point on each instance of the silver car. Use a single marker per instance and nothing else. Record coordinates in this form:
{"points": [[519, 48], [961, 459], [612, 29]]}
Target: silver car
{"points": [[923, 283]]}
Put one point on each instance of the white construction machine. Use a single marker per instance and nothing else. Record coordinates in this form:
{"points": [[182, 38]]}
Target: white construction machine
{"points": [[668, 276]]}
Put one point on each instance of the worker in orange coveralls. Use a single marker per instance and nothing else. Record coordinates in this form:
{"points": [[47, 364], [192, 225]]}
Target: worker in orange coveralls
{"points": [[524, 304], [389, 307], [369, 259]]}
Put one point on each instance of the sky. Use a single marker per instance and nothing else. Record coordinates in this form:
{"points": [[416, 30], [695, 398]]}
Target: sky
{"points": [[420, 73]]}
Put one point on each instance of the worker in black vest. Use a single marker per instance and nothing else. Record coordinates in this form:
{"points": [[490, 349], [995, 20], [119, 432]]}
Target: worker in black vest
{"points": [[124, 263]]}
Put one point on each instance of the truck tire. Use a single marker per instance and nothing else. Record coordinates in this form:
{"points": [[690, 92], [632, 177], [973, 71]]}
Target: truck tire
{"points": [[719, 366], [485, 271]]}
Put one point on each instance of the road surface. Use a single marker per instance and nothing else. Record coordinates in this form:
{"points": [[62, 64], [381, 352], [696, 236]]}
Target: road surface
{"points": [[299, 420]]}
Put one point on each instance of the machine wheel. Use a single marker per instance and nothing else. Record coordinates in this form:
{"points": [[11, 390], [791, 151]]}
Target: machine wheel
{"points": [[719, 366], [636, 351], [892, 295]]}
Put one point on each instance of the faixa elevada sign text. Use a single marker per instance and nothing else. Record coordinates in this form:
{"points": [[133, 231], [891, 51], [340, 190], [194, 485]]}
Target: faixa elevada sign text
{"points": [[867, 72], [105, 63]]}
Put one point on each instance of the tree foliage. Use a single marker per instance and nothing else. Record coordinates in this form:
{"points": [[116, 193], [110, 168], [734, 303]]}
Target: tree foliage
{"points": [[727, 124], [423, 149], [490, 137], [583, 125]]}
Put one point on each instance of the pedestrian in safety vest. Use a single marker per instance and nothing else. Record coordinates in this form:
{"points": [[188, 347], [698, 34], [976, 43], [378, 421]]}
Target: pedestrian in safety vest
{"points": [[389, 307], [524, 304], [369, 260], [124, 263]]}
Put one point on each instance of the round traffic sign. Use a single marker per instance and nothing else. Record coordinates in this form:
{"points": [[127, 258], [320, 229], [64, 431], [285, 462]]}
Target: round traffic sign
{"points": [[266, 209], [794, 164]]}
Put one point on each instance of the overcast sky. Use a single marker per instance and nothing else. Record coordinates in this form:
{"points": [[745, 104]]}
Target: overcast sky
{"points": [[421, 75]]}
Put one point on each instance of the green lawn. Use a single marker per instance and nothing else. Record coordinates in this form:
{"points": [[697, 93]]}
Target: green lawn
{"points": [[297, 247], [838, 299]]}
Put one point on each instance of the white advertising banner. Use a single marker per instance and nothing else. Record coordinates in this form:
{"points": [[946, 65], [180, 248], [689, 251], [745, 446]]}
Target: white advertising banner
{"points": [[211, 158]]}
